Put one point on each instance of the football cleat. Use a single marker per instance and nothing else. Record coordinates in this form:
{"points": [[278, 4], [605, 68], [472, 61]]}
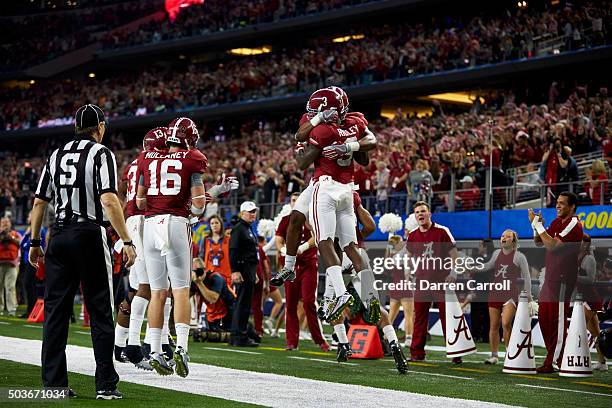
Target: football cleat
{"points": [[284, 275], [120, 355], [181, 358], [168, 354], [343, 353], [398, 355], [159, 364], [146, 349], [345, 300], [135, 356], [108, 395], [326, 307], [372, 311]]}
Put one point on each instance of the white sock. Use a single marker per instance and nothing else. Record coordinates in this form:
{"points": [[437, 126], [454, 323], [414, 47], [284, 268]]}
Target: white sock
{"points": [[165, 329], [334, 273], [147, 338], [290, 262], [139, 307], [494, 354], [182, 335], [390, 335], [329, 287], [121, 335], [155, 337], [340, 331]]}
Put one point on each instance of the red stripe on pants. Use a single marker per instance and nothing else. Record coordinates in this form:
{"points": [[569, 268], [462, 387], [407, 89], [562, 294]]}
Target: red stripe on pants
{"points": [[257, 306], [421, 323], [548, 317], [303, 287]]}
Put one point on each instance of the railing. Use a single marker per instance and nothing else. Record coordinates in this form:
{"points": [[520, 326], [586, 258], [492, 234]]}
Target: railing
{"points": [[516, 195]]}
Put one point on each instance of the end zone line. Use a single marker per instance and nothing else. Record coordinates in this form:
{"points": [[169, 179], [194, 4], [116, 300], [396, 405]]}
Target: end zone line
{"points": [[436, 374], [564, 389], [231, 351], [321, 360]]}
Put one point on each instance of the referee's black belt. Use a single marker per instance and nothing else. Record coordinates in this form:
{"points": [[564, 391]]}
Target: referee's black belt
{"points": [[76, 219]]}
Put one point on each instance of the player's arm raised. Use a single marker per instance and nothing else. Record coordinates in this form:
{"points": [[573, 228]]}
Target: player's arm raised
{"points": [[541, 236], [307, 156], [328, 116]]}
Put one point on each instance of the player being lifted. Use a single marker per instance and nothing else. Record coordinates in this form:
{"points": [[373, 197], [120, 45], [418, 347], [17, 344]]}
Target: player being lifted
{"points": [[361, 287], [170, 188], [330, 148]]}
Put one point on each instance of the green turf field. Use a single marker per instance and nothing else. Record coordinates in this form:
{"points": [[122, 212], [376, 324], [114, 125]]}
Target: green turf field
{"points": [[471, 380]]}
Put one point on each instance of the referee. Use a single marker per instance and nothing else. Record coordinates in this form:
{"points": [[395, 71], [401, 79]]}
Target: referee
{"points": [[81, 178]]}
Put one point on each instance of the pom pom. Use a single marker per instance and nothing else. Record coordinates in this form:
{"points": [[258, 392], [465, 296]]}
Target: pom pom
{"points": [[411, 223], [266, 228], [390, 223]]}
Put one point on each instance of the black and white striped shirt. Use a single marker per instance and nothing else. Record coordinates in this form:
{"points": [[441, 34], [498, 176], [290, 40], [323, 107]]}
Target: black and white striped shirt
{"points": [[75, 176]]}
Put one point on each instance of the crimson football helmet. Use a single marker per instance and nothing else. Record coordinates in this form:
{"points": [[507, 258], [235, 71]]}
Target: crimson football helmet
{"points": [[324, 99], [345, 100], [182, 131], [155, 139]]}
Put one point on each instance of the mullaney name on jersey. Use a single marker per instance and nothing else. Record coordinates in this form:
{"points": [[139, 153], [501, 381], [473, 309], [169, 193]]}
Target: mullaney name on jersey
{"points": [[160, 155]]}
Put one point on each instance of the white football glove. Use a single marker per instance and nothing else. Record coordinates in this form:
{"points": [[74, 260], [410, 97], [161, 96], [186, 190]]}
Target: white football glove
{"points": [[334, 152], [327, 116], [227, 184]]}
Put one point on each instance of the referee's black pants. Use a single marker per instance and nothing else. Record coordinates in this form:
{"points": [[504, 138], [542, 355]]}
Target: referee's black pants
{"points": [[242, 305], [78, 253]]}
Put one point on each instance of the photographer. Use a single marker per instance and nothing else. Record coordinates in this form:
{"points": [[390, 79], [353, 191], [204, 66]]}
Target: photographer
{"points": [[218, 296], [9, 259]]}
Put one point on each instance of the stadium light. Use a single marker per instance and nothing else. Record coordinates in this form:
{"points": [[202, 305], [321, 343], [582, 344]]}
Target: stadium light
{"points": [[348, 38], [522, 4], [32, 82], [251, 51], [455, 97], [92, 75]]}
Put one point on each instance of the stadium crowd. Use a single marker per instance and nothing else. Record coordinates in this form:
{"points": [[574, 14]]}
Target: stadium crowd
{"points": [[416, 159], [221, 15], [33, 39], [388, 52]]}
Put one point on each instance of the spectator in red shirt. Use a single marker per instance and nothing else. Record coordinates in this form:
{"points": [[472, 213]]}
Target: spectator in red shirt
{"points": [[469, 197], [398, 177], [523, 153], [596, 182], [607, 149]]}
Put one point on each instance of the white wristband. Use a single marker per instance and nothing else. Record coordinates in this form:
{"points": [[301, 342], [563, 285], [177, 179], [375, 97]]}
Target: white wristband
{"points": [[316, 120], [197, 211], [304, 247], [353, 146], [540, 228]]}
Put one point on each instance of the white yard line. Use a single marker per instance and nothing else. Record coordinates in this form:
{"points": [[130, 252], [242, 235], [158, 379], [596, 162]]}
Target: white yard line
{"points": [[32, 326], [564, 389], [4, 323], [244, 386], [82, 332]]}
